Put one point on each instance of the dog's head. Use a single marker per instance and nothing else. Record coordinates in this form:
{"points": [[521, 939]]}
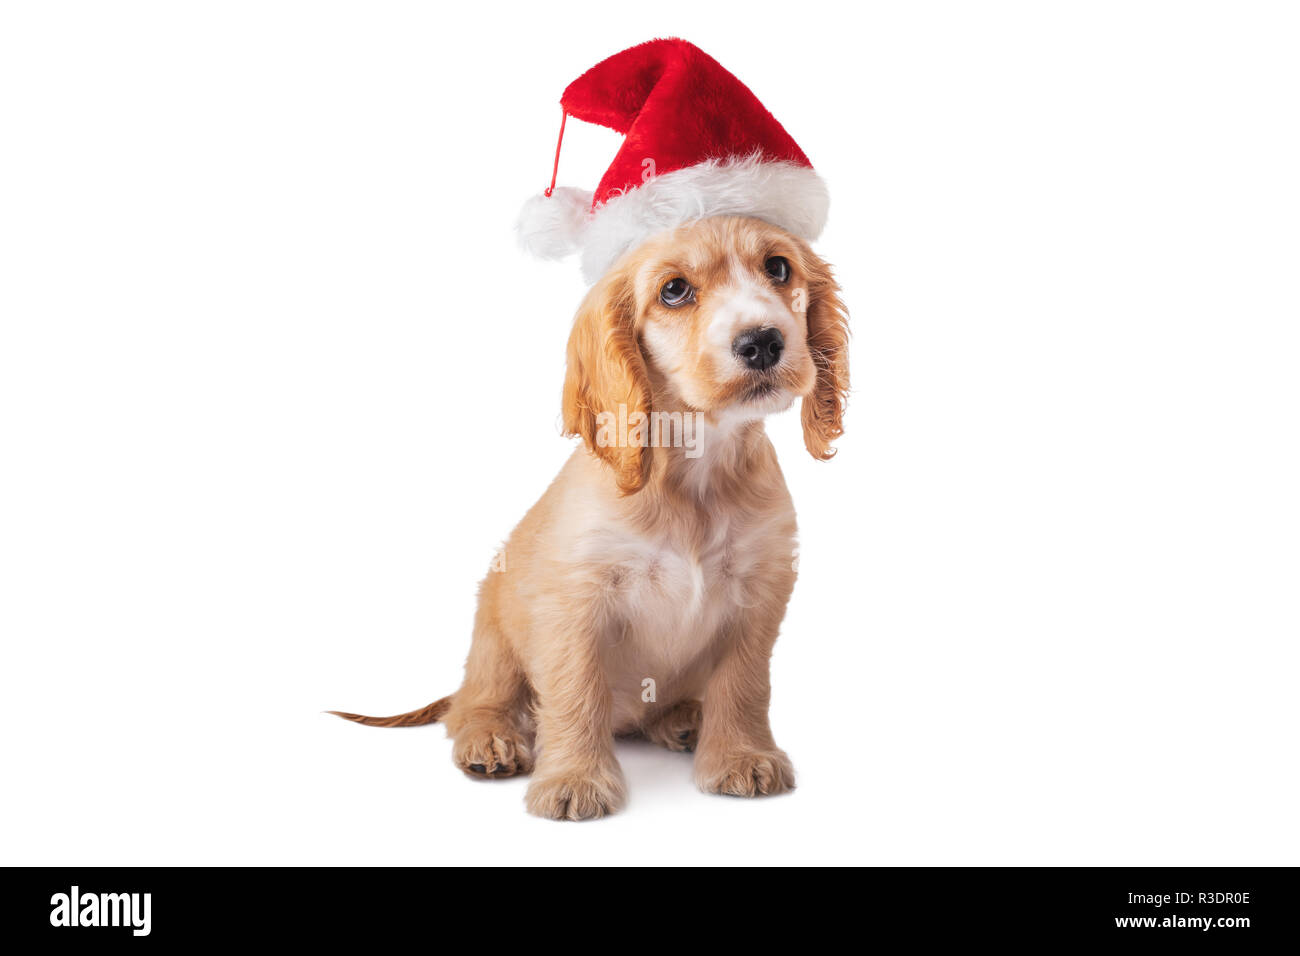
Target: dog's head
{"points": [[730, 317]]}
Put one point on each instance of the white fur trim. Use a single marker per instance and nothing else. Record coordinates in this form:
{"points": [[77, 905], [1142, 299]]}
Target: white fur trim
{"points": [[784, 194], [787, 195], [551, 227]]}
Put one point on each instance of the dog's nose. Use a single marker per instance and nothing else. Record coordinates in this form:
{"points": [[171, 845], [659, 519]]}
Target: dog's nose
{"points": [[759, 348]]}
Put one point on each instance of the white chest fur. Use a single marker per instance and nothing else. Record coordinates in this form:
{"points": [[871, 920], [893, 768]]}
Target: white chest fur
{"points": [[668, 598]]}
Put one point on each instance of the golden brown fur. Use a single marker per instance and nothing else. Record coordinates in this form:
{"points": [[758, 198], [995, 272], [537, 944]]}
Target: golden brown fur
{"points": [[668, 564]]}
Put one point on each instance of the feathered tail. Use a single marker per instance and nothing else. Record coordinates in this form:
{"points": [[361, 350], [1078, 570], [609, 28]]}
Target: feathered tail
{"points": [[414, 718]]}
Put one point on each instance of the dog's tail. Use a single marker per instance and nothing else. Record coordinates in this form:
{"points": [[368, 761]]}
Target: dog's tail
{"points": [[414, 718]]}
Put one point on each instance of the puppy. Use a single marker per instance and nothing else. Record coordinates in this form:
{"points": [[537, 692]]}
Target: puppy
{"points": [[643, 593]]}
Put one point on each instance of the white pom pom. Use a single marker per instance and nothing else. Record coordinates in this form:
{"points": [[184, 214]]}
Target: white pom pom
{"points": [[551, 227]]}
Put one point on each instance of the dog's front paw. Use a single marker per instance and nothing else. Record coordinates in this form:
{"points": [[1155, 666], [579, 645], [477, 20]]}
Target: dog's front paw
{"points": [[745, 773], [576, 796]]}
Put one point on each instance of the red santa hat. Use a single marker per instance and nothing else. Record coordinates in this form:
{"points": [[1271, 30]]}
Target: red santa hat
{"points": [[697, 143]]}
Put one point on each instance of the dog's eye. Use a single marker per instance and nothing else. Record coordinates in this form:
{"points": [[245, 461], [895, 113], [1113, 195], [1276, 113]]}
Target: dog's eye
{"points": [[675, 292], [778, 268]]}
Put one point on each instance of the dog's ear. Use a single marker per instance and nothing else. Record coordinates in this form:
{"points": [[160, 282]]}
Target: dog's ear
{"points": [[828, 344], [605, 384]]}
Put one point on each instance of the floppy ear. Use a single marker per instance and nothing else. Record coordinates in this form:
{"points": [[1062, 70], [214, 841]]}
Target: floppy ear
{"points": [[828, 343], [605, 384]]}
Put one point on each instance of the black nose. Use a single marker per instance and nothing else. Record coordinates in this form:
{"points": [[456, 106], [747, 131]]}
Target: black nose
{"points": [[759, 348]]}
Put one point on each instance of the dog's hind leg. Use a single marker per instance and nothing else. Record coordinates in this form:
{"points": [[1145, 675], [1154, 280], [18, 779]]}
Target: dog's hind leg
{"points": [[490, 718], [676, 727]]}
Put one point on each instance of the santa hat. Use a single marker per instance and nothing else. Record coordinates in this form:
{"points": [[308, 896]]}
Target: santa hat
{"points": [[698, 144]]}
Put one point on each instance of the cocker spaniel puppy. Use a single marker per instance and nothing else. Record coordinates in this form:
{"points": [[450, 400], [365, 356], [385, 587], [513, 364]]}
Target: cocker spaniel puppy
{"points": [[643, 593]]}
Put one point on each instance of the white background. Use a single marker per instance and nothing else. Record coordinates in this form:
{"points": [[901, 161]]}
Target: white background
{"points": [[275, 383]]}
